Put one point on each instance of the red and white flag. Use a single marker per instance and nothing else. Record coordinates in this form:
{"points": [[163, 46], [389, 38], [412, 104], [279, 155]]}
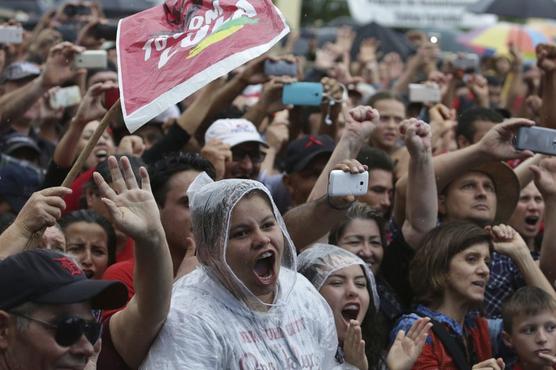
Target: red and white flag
{"points": [[168, 52]]}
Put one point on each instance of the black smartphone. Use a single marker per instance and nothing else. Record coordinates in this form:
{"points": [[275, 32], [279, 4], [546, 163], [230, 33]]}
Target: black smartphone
{"points": [[72, 10], [106, 31], [536, 139], [280, 68]]}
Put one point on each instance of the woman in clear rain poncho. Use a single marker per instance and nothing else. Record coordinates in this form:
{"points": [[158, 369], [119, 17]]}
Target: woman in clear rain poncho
{"points": [[246, 307], [349, 287]]}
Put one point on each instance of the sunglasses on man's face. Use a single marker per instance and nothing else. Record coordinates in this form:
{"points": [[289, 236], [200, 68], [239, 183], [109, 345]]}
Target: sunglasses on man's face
{"points": [[256, 156], [69, 329]]}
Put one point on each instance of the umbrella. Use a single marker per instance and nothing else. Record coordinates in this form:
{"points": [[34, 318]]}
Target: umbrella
{"points": [[547, 27], [495, 39], [516, 8], [390, 41]]}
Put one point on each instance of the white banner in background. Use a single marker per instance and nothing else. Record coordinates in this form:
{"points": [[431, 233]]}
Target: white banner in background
{"points": [[418, 13]]}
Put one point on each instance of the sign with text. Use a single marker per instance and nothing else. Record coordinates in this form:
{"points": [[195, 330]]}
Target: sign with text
{"points": [[168, 52], [418, 13]]}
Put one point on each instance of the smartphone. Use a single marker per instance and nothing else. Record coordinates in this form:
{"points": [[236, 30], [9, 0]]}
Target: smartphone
{"points": [[468, 63], [110, 97], [302, 93], [72, 10], [11, 35], [536, 139], [91, 59], [280, 68], [344, 183], [423, 93], [65, 97], [105, 31]]}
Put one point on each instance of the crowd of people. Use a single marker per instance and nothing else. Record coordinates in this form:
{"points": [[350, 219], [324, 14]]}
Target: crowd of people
{"points": [[208, 239]]}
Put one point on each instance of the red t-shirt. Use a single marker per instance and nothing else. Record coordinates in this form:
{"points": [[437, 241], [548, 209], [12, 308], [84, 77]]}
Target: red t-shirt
{"points": [[123, 272]]}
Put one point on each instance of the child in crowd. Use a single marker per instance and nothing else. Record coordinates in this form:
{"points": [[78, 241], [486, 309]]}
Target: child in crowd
{"points": [[529, 317]]}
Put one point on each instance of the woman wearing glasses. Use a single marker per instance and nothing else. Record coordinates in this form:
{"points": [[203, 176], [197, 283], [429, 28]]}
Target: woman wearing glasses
{"points": [[245, 307]]}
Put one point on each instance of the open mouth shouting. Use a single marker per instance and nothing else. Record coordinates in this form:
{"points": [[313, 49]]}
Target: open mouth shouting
{"points": [[265, 268], [351, 312]]}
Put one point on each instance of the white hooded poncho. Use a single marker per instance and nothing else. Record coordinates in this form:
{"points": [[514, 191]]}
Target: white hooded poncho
{"points": [[215, 322]]}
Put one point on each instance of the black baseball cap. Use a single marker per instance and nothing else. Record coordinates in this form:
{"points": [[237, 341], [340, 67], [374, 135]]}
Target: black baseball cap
{"points": [[302, 151], [48, 277]]}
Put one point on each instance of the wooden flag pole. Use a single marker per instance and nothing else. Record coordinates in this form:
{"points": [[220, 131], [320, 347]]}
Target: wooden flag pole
{"points": [[114, 112]]}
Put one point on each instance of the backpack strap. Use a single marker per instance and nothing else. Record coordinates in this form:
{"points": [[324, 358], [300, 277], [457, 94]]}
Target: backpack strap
{"points": [[452, 346]]}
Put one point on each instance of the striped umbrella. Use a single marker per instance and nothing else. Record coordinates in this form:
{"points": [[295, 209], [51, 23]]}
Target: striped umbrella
{"points": [[494, 40]]}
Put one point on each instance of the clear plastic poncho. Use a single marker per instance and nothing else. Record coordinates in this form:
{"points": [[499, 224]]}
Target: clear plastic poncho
{"points": [[321, 260], [216, 322]]}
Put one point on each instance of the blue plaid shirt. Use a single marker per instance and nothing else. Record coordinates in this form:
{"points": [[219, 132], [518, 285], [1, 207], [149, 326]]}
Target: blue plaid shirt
{"points": [[505, 278]]}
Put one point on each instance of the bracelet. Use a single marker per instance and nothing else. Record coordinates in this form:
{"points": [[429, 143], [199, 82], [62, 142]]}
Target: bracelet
{"points": [[331, 205]]}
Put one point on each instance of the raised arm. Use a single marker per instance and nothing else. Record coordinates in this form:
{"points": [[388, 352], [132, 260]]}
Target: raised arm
{"points": [[496, 145], [508, 242], [422, 199], [135, 212], [360, 122], [546, 60], [91, 108], [58, 69], [41, 210], [545, 180]]}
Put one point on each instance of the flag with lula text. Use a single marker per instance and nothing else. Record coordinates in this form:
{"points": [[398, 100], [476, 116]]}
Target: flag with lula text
{"points": [[168, 52]]}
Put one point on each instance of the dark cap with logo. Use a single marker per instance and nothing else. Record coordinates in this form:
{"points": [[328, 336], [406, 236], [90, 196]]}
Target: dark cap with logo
{"points": [[48, 277], [303, 150]]}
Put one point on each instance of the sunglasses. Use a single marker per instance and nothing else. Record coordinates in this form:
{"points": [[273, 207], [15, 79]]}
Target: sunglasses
{"points": [[68, 330], [256, 156]]}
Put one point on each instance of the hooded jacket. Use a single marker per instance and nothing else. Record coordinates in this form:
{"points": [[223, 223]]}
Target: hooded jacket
{"points": [[216, 322]]}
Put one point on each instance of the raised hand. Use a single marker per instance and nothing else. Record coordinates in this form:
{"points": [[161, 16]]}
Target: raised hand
{"points": [[91, 107], [361, 121], [354, 346], [408, 346], [417, 136], [59, 65], [545, 177], [546, 57], [506, 240], [131, 206], [497, 144], [131, 145], [42, 209], [218, 154]]}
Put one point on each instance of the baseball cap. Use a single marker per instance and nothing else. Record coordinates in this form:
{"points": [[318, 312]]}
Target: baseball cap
{"points": [[15, 141], [302, 151], [48, 277], [17, 183], [20, 70], [233, 132]]}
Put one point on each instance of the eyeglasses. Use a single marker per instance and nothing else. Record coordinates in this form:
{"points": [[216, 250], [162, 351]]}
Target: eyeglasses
{"points": [[256, 156], [70, 329]]}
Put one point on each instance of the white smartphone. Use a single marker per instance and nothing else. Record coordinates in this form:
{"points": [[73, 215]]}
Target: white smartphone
{"points": [[344, 183], [91, 59], [65, 97], [422, 93], [11, 35]]}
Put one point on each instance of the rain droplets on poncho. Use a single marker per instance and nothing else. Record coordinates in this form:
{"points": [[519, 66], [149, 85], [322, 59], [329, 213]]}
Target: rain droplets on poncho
{"points": [[216, 322]]}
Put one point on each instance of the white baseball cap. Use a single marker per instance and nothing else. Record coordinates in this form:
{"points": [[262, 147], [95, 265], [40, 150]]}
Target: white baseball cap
{"points": [[233, 132]]}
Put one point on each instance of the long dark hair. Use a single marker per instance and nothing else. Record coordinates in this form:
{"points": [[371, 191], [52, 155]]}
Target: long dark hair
{"points": [[375, 334]]}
